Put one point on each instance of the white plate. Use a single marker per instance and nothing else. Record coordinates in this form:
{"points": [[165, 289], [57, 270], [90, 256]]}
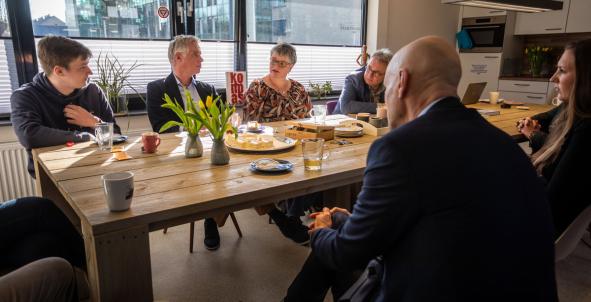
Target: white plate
{"points": [[279, 143], [351, 131], [349, 134]]}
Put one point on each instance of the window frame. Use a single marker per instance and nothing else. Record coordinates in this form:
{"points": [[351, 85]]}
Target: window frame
{"points": [[21, 27], [363, 38]]}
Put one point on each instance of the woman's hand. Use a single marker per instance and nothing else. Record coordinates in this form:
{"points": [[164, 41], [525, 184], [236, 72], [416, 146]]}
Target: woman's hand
{"points": [[528, 126]]}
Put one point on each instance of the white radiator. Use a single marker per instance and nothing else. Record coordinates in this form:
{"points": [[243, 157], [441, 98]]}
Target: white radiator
{"points": [[15, 181]]}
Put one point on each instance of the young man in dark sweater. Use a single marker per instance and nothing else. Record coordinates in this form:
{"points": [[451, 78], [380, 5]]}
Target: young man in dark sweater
{"points": [[59, 105]]}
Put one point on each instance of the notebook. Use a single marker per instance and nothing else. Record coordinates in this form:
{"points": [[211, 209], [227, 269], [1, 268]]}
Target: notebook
{"points": [[473, 93]]}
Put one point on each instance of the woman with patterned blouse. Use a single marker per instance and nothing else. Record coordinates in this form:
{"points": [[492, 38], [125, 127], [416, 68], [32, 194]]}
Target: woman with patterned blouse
{"points": [[275, 97]]}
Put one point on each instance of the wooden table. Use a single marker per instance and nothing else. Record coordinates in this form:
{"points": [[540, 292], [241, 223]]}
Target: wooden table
{"points": [[508, 118], [172, 190]]}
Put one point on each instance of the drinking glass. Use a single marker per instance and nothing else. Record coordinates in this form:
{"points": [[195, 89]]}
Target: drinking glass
{"points": [[236, 120], [314, 151], [318, 111], [103, 133]]}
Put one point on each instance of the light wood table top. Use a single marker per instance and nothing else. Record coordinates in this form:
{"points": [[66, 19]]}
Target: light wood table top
{"points": [[170, 190], [507, 119]]}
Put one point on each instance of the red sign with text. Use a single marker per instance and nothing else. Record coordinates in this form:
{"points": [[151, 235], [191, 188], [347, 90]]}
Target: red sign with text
{"points": [[236, 87]]}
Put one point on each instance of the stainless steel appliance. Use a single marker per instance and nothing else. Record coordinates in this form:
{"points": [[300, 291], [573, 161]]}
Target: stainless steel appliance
{"points": [[486, 33]]}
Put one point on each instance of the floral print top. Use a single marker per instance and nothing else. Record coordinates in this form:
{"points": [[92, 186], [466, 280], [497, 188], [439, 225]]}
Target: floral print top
{"points": [[265, 104]]}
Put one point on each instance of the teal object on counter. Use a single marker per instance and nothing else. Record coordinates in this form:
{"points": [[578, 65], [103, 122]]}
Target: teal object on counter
{"points": [[464, 40]]}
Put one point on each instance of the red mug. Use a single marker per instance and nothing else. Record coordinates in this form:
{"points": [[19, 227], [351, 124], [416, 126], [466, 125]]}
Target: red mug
{"points": [[151, 141]]}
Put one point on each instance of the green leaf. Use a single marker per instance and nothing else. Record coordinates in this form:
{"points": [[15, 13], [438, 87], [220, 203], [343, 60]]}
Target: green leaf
{"points": [[169, 125]]}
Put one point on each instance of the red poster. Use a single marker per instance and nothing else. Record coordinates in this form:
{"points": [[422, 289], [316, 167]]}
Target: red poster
{"points": [[236, 87]]}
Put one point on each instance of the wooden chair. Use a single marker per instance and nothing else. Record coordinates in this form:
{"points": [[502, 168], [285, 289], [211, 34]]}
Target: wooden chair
{"points": [[568, 240], [220, 221]]}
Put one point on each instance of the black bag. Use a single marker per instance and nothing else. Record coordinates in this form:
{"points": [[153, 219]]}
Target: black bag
{"points": [[367, 287]]}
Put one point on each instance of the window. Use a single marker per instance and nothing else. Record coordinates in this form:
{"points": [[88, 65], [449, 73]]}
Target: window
{"points": [[214, 20], [130, 19], [4, 28], [317, 29], [327, 22], [316, 64], [8, 75]]}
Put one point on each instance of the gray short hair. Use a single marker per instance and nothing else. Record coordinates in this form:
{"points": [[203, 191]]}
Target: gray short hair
{"points": [[285, 49], [383, 55], [180, 43]]}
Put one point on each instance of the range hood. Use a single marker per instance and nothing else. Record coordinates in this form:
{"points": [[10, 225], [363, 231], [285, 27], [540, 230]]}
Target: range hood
{"points": [[528, 6]]}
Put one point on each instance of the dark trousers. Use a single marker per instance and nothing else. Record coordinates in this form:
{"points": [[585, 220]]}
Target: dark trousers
{"points": [[295, 207], [32, 228], [313, 281]]}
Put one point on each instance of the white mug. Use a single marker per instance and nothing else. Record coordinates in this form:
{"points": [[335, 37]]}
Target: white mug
{"points": [[118, 189], [493, 97]]}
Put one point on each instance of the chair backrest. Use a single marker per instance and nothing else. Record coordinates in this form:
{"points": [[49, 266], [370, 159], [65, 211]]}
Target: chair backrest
{"points": [[330, 106], [568, 240]]}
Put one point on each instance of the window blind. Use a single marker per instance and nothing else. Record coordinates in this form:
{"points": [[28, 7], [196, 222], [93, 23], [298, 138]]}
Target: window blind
{"points": [[8, 75], [316, 64]]}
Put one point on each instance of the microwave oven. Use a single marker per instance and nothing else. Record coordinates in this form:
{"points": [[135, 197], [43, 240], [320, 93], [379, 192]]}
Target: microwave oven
{"points": [[486, 33]]}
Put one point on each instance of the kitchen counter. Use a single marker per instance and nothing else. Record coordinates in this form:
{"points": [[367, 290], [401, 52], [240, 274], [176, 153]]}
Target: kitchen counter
{"points": [[525, 78]]}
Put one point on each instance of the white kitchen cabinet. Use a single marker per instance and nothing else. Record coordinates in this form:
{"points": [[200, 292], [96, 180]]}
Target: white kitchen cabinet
{"points": [[579, 16], [526, 97], [480, 67], [481, 12], [551, 22], [523, 86], [524, 91]]}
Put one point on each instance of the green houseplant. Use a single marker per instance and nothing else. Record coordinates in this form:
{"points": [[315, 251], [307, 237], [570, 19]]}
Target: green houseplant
{"points": [[214, 115], [193, 146], [320, 90], [113, 77]]}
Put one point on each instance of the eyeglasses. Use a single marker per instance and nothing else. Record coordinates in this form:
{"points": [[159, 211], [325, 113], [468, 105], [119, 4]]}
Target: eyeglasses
{"points": [[374, 73], [281, 64]]}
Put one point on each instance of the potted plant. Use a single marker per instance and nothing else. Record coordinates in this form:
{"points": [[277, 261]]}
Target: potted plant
{"points": [[320, 90], [113, 78], [536, 55], [193, 146], [214, 115]]}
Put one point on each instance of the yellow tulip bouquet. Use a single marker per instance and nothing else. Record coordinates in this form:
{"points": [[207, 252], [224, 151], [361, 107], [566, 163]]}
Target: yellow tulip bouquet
{"points": [[192, 126], [536, 55], [214, 115]]}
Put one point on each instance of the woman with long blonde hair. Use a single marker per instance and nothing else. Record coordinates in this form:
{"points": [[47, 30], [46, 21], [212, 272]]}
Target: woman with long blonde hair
{"points": [[561, 138]]}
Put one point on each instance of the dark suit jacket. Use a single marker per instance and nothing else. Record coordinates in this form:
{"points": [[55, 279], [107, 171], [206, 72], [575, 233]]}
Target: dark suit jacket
{"points": [[455, 208], [155, 98], [567, 180]]}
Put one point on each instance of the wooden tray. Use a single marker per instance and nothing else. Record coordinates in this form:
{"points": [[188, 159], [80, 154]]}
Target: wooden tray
{"points": [[301, 130]]}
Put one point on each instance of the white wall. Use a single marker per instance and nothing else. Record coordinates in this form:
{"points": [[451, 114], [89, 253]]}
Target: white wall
{"points": [[402, 21]]}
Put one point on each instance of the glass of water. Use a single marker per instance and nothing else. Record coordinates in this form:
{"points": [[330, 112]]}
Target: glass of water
{"points": [[318, 111], [103, 133]]}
